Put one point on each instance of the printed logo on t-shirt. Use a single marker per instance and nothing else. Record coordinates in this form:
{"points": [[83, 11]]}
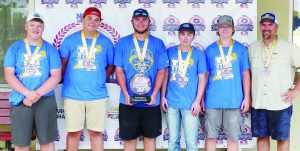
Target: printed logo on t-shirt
{"points": [[32, 66], [86, 59], [144, 66], [223, 72], [175, 76]]}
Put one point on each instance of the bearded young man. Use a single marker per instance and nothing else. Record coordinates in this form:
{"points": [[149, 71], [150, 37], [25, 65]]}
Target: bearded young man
{"points": [[140, 61]]}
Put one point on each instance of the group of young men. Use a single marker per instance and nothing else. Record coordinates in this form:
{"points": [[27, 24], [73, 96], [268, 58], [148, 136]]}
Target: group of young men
{"points": [[182, 80]]}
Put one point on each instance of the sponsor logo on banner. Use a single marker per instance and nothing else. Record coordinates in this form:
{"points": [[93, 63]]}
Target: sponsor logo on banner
{"points": [[122, 3], [74, 3], [243, 3], [98, 3], [201, 134], [171, 24], [244, 24], [199, 46], [105, 136], [113, 113], [166, 135], [117, 137], [214, 24], [152, 26], [219, 3], [171, 3], [198, 23], [49, 3], [196, 3], [147, 3]]}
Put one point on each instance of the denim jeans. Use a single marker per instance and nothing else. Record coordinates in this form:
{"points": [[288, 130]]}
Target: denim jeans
{"points": [[190, 123]]}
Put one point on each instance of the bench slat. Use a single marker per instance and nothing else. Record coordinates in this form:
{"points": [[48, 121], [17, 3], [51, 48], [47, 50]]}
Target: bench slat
{"points": [[4, 95], [4, 104], [4, 112], [4, 121], [5, 136]]}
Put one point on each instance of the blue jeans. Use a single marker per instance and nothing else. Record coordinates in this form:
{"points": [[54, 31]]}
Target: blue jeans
{"points": [[190, 123]]}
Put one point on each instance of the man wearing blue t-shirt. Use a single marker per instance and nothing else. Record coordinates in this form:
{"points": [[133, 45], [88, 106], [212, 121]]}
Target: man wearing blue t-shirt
{"points": [[140, 61], [32, 68], [87, 58], [228, 87], [183, 88]]}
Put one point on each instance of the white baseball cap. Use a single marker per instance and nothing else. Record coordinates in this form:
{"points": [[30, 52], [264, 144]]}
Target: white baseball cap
{"points": [[34, 15]]}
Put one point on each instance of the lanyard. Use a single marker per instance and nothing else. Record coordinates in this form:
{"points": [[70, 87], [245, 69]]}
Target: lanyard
{"points": [[32, 56], [93, 42], [225, 60], [267, 55], [140, 54], [183, 67]]}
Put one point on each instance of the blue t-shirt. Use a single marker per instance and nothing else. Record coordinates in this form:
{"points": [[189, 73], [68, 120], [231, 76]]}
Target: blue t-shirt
{"points": [[180, 94], [32, 76], [225, 87], [85, 74], [126, 57]]}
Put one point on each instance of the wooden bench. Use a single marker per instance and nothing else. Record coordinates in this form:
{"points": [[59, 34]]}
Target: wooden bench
{"points": [[5, 136]]}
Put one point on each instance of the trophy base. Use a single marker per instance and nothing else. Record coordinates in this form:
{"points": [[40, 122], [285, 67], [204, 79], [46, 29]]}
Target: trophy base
{"points": [[140, 99]]}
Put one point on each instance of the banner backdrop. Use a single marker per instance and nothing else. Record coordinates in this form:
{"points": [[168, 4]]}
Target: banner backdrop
{"points": [[62, 18]]}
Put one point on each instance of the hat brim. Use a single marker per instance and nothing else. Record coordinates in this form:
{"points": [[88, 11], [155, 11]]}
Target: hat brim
{"points": [[225, 24], [266, 19]]}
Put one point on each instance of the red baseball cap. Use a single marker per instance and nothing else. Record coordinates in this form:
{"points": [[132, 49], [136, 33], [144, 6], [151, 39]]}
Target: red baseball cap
{"points": [[92, 11]]}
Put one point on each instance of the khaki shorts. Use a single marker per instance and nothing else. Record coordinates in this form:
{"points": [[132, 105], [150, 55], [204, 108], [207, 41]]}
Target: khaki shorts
{"points": [[231, 119], [77, 112]]}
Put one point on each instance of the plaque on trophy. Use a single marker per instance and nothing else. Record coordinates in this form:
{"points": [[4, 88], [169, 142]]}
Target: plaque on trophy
{"points": [[140, 85]]}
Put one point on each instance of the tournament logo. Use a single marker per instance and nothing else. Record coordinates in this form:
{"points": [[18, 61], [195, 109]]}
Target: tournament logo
{"points": [[122, 3], [113, 113], [244, 24], [105, 136], [74, 3], [171, 3], [243, 3], [166, 135], [199, 46], [147, 3], [98, 3], [196, 3], [214, 24], [49, 3], [105, 29], [219, 3], [198, 23], [171, 24], [152, 26], [246, 135]]}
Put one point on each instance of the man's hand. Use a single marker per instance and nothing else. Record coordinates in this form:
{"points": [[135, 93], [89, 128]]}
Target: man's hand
{"points": [[164, 104], [289, 97], [196, 108]]}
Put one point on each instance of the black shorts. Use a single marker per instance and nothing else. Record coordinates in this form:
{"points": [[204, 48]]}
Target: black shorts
{"points": [[139, 121]]}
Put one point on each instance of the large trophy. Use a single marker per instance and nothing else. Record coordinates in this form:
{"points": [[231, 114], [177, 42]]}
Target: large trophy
{"points": [[140, 83]]}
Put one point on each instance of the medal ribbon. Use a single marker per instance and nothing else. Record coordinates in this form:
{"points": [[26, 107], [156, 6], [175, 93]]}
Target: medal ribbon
{"points": [[183, 67], [85, 44], [267, 55], [225, 60], [37, 49], [140, 54]]}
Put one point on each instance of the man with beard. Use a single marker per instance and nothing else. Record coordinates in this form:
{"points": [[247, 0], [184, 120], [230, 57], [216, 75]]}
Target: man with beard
{"points": [[273, 65], [140, 61]]}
